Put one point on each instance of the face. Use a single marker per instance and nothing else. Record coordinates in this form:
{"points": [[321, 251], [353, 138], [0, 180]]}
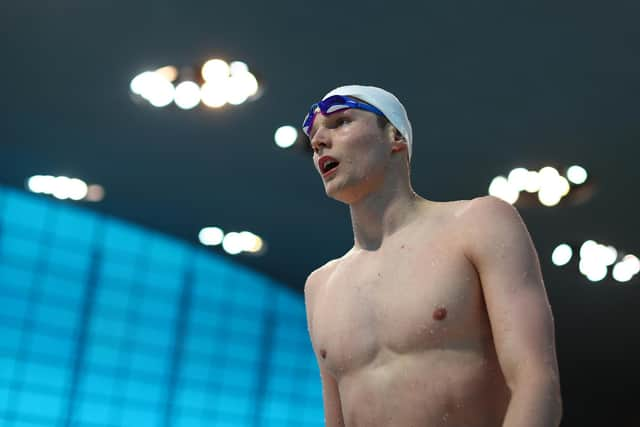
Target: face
{"points": [[354, 139]]}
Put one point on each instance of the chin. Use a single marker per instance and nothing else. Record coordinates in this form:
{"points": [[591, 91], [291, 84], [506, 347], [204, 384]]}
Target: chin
{"points": [[341, 195]]}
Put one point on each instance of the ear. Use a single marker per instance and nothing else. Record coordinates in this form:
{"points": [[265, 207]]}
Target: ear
{"points": [[398, 141]]}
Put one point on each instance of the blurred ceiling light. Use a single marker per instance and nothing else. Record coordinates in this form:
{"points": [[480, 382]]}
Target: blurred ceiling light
{"points": [[593, 271], [62, 187], [187, 95], [169, 73], [518, 178], [162, 93], [211, 236], [533, 182], [577, 174], [548, 178], [561, 255], [215, 69], [95, 193], [595, 258], [232, 243], [78, 189], [250, 242], [249, 83], [609, 254], [563, 186], [214, 94], [628, 267], [588, 249], [549, 196], [501, 188], [547, 182], [223, 83], [139, 84], [238, 67], [236, 93], [286, 136], [40, 184]]}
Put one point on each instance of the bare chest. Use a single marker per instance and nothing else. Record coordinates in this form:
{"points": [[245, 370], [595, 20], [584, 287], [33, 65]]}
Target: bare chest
{"points": [[406, 299]]}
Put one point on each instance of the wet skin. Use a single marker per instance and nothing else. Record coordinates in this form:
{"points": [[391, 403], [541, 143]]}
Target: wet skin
{"points": [[438, 315], [404, 332]]}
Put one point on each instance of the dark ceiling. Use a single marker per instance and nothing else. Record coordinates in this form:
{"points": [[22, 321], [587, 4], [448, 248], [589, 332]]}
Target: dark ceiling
{"points": [[488, 86]]}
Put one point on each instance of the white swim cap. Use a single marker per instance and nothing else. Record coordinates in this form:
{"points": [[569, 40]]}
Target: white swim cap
{"points": [[384, 101]]}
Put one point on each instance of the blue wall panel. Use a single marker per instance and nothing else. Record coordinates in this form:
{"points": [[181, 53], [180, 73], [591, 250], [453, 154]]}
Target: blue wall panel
{"points": [[103, 323]]}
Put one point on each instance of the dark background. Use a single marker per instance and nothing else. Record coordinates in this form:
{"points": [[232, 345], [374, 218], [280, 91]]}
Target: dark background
{"points": [[488, 85]]}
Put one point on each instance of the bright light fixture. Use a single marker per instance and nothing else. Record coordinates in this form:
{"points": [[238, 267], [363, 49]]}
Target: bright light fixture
{"points": [[215, 69], [577, 174], [233, 243], [187, 95], [501, 188], [286, 136], [211, 236], [561, 255], [214, 94]]}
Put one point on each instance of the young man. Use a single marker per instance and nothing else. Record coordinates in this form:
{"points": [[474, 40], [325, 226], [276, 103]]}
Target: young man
{"points": [[438, 315]]}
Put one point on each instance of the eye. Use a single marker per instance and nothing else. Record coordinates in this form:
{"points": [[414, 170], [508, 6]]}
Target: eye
{"points": [[341, 121]]}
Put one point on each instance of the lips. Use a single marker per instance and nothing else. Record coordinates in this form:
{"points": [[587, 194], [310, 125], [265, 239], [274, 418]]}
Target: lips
{"points": [[326, 164]]}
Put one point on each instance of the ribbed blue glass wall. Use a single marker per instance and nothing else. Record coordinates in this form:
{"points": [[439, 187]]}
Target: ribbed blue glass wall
{"points": [[106, 324]]}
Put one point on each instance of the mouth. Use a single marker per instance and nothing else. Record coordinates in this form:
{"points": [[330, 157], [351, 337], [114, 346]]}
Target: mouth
{"points": [[330, 171], [327, 165]]}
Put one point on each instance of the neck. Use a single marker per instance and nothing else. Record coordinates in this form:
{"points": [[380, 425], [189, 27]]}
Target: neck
{"points": [[380, 214]]}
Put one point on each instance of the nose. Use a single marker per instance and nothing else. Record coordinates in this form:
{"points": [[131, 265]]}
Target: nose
{"points": [[320, 139]]}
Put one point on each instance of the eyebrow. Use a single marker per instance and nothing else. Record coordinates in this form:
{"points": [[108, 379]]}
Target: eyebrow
{"points": [[329, 117]]}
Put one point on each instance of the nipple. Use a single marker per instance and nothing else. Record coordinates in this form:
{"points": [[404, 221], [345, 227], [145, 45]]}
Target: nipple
{"points": [[440, 313]]}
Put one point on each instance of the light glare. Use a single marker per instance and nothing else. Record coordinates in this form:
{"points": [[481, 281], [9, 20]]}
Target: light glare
{"points": [[95, 193], [187, 95], [232, 243], [238, 67], [561, 254], [214, 94], [235, 91], [77, 189], [577, 174], [500, 188], [169, 73], [533, 182], [162, 93], [518, 178], [549, 196], [215, 69], [286, 136], [211, 236]]}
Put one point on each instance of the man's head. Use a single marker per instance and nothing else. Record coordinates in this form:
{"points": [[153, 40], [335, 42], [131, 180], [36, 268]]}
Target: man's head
{"points": [[366, 131], [385, 104]]}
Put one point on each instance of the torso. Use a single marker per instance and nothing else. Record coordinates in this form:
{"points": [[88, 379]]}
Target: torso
{"points": [[405, 332]]}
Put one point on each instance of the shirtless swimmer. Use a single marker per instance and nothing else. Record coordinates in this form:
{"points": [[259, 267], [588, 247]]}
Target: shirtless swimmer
{"points": [[438, 315]]}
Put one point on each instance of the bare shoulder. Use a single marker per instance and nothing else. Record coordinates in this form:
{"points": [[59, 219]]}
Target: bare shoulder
{"points": [[315, 282], [487, 213], [489, 225], [320, 275]]}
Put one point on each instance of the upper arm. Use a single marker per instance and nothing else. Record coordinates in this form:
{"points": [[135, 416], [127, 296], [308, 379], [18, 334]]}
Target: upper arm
{"points": [[521, 320], [330, 393]]}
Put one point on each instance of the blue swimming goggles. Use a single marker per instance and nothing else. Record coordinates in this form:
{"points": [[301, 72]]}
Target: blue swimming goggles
{"points": [[333, 104]]}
